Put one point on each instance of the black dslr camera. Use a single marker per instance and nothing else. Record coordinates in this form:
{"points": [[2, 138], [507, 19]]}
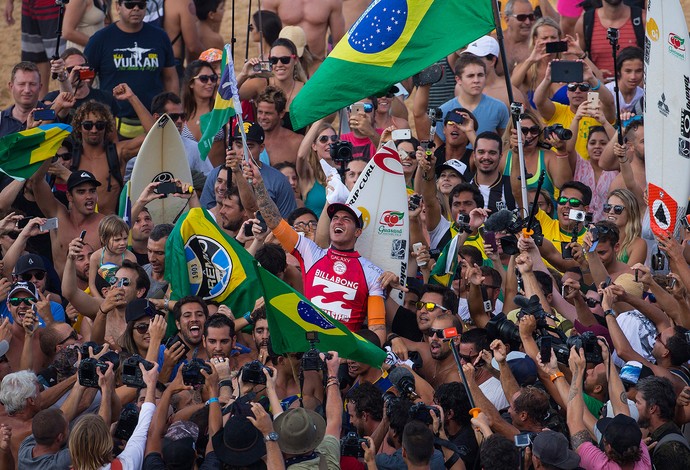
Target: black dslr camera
{"points": [[253, 372], [129, 417], [351, 445], [341, 152], [90, 344], [311, 360], [88, 377], [191, 373], [131, 373], [420, 412], [559, 131]]}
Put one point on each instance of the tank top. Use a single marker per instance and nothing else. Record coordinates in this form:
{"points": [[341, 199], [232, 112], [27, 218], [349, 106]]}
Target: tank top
{"points": [[548, 185], [316, 198], [601, 48]]}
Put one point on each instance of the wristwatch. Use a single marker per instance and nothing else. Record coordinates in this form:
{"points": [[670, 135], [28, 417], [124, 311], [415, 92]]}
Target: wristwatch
{"points": [[271, 436], [609, 312]]}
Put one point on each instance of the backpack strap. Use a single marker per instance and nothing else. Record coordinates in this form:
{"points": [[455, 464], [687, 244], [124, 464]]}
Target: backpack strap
{"points": [[638, 25], [113, 164], [672, 437]]}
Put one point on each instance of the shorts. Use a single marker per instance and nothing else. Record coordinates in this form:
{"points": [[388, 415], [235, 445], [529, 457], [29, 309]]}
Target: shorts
{"points": [[570, 8], [39, 30]]}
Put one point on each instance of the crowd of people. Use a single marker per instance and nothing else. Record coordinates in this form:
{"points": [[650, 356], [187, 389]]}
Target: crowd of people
{"points": [[565, 349]]}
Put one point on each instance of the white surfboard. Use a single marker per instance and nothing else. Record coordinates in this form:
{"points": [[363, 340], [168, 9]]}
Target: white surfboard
{"points": [[667, 114], [380, 194], [161, 158]]}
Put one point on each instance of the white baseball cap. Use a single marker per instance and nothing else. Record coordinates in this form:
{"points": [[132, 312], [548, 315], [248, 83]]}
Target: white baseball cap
{"points": [[484, 46]]}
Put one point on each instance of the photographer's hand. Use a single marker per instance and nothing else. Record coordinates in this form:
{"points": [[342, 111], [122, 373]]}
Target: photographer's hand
{"points": [[369, 453], [477, 218], [210, 388]]}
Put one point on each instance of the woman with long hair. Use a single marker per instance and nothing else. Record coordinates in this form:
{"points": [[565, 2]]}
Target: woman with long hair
{"points": [[199, 85], [287, 74], [622, 209], [264, 29], [315, 146], [91, 445]]}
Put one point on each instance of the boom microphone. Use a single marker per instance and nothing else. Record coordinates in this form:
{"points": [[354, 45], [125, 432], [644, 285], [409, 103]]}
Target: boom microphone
{"points": [[403, 381], [500, 221]]}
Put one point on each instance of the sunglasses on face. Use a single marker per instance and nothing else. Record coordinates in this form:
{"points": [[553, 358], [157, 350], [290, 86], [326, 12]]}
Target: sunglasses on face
{"points": [[73, 335], [429, 306], [130, 5], [124, 280], [88, 125], [12, 235], [581, 86], [468, 359], [534, 130], [178, 116], [141, 328], [524, 17], [573, 201], [38, 275], [438, 332], [64, 156], [282, 59], [591, 303], [206, 78], [617, 209], [325, 138], [17, 301]]}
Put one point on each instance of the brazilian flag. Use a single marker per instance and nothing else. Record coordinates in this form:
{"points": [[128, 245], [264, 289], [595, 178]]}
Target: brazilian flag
{"points": [[290, 315], [201, 259], [225, 106], [444, 269], [391, 41], [22, 153]]}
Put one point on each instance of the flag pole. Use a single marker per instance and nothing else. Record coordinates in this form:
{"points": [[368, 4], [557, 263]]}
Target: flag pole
{"points": [[516, 108]]}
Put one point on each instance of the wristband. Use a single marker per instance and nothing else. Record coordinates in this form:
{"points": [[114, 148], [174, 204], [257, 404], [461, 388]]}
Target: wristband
{"points": [[212, 400], [225, 383], [166, 303], [391, 337], [620, 160], [556, 375], [583, 56], [598, 85], [248, 316], [609, 312]]}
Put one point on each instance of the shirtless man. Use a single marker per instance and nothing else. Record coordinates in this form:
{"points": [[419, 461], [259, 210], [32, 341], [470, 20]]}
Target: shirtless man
{"points": [[81, 215], [210, 14], [281, 143], [25, 351], [517, 33], [180, 22], [94, 125], [352, 10], [439, 364], [315, 17]]}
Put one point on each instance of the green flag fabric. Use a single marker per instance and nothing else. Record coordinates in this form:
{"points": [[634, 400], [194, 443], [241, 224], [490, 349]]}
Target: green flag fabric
{"points": [[224, 107], [391, 41], [201, 259], [444, 269], [22, 153], [290, 315]]}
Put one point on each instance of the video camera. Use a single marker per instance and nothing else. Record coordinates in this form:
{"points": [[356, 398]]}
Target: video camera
{"points": [[311, 360], [462, 224], [512, 223], [341, 152], [191, 373], [587, 341], [351, 445], [253, 372], [420, 412], [131, 373], [499, 327]]}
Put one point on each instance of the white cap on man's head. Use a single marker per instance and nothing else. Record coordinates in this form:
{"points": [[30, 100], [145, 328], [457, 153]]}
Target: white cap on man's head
{"points": [[484, 46]]}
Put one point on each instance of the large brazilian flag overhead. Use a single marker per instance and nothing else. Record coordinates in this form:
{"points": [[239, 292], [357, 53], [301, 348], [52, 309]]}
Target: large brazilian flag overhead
{"points": [[391, 41], [22, 153]]}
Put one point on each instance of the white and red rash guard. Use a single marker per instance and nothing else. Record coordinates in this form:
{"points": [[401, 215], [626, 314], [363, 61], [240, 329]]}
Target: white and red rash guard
{"points": [[341, 283]]}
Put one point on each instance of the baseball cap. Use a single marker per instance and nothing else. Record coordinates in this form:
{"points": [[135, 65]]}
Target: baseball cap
{"points": [[29, 262], [211, 55], [455, 115], [521, 365], [621, 432], [453, 164], [627, 282], [552, 449], [80, 177], [23, 286], [139, 308], [252, 130], [483, 46], [4, 347], [333, 208], [297, 36]]}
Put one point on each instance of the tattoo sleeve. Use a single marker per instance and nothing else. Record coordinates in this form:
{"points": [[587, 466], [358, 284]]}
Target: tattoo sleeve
{"points": [[579, 438], [575, 387], [268, 208]]}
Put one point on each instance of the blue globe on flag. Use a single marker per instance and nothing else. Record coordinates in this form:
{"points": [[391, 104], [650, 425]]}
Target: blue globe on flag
{"points": [[380, 27], [310, 315]]}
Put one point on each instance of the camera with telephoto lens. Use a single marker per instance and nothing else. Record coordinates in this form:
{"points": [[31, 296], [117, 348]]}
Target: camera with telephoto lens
{"points": [[351, 445], [191, 373], [420, 412], [499, 327], [341, 151], [129, 417], [658, 261], [131, 373], [88, 377], [463, 223], [253, 372], [559, 131], [587, 341]]}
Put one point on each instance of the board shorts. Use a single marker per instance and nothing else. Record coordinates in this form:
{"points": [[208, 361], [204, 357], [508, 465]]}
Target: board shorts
{"points": [[569, 8], [39, 30]]}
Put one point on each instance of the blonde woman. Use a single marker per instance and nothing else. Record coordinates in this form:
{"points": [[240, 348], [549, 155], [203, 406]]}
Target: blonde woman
{"points": [[622, 209], [315, 146]]}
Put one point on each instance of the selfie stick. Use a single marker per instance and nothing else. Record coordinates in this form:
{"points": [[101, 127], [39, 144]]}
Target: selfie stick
{"points": [[249, 23], [612, 36], [527, 231], [261, 35], [474, 411], [58, 34], [516, 110], [233, 39]]}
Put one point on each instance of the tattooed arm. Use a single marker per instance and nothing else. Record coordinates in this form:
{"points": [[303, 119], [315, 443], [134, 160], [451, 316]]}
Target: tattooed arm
{"points": [[619, 399], [576, 404], [268, 208]]}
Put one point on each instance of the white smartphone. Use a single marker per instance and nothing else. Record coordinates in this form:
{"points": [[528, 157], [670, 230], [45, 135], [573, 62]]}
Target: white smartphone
{"points": [[49, 225], [593, 99], [401, 134]]}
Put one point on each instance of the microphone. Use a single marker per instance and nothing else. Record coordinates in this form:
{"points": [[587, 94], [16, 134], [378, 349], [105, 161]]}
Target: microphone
{"points": [[403, 381], [500, 221]]}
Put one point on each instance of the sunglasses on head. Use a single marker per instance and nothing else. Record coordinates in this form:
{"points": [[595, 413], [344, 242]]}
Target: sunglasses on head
{"points": [[534, 130], [38, 275], [141, 328], [581, 86], [429, 306], [524, 17], [285, 59], [17, 301], [325, 138], [73, 335], [213, 78], [130, 5], [617, 209], [573, 201], [88, 125], [178, 116]]}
